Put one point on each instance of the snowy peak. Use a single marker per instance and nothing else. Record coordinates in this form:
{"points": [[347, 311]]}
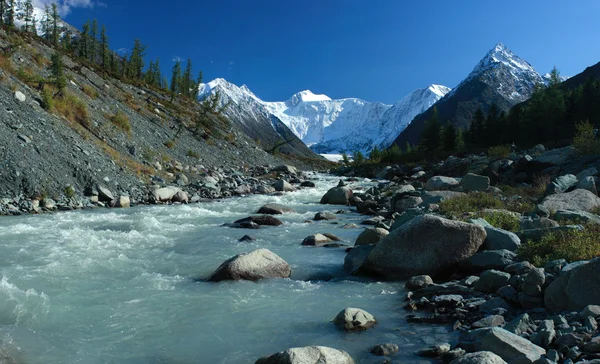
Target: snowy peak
{"points": [[438, 90], [305, 96], [501, 55]]}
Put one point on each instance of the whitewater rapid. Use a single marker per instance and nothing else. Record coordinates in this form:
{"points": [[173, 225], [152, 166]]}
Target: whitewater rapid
{"points": [[125, 286]]}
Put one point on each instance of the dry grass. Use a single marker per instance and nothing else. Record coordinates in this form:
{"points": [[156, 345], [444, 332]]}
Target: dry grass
{"points": [[499, 151], [121, 160], [170, 144], [6, 63], [121, 121], [90, 91], [72, 108]]}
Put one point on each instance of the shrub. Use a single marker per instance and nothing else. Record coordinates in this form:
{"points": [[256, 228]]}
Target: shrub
{"points": [[170, 144], [474, 203], [502, 220], [69, 191], [499, 151], [73, 109], [121, 121], [47, 100], [191, 153], [571, 245], [90, 91], [585, 142]]}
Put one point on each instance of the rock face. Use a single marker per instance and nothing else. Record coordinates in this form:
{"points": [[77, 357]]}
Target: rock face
{"points": [[337, 196], [578, 200], [371, 236], [308, 355], [473, 182], [252, 266], [510, 347], [575, 289], [354, 319], [440, 183], [427, 244]]}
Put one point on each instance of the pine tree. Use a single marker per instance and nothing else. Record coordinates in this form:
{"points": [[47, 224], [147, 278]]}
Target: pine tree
{"points": [[33, 24], [84, 40], [55, 20], [47, 23], [375, 154], [449, 140], [10, 14], [2, 11], [408, 148], [66, 41], [92, 48], [104, 49], [345, 159], [460, 140], [430, 137], [175, 76], [58, 72], [186, 80], [477, 129], [28, 18], [136, 60]]}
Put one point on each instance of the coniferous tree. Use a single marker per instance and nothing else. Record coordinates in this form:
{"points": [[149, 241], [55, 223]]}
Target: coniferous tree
{"points": [[186, 80], [345, 159], [55, 20], [47, 23], [136, 60], [84, 41], [375, 154], [66, 41], [460, 141], [33, 25], [408, 148], [28, 16], [475, 134], [359, 158], [57, 72], [175, 76], [10, 14], [92, 48], [104, 48], [2, 11], [449, 137], [430, 137]]}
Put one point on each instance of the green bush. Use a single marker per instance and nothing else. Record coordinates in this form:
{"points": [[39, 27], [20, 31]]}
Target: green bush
{"points": [[474, 203], [121, 121], [571, 245], [502, 220], [585, 141], [191, 153], [499, 151]]}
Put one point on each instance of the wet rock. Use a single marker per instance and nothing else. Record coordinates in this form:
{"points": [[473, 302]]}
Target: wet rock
{"points": [[426, 245], [418, 282], [384, 349], [371, 236], [308, 355], [481, 357], [252, 266], [435, 351], [308, 184], [356, 257], [320, 216], [262, 220], [121, 202], [577, 200], [247, 238], [337, 196], [274, 209], [165, 194], [104, 194], [283, 186], [320, 240], [354, 319]]}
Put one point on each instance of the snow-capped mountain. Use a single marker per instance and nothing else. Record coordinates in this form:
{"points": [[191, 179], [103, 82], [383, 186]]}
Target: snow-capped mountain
{"points": [[39, 15], [332, 126], [501, 78]]}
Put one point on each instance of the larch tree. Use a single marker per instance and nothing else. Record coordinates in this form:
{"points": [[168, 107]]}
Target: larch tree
{"points": [[175, 76], [28, 16], [104, 48], [55, 20]]}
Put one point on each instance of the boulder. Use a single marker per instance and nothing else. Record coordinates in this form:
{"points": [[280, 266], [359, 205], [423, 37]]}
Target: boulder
{"points": [[498, 239], [274, 209], [491, 280], [264, 190], [20, 96], [490, 259], [577, 200], [427, 244], [104, 194], [588, 183], [354, 319], [266, 220], [283, 186], [316, 240], [384, 349], [356, 257], [538, 234], [480, 357], [285, 169], [418, 282], [320, 216], [337, 196], [407, 202], [555, 157], [575, 289], [577, 216], [439, 183], [181, 196], [121, 202], [510, 347], [473, 182], [371, 236], [561, 184], [165, 194], [308, 355], [307, 184], [252, 266]]}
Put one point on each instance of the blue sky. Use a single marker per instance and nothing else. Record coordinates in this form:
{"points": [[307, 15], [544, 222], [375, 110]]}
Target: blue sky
{"points": [[378, 50]]}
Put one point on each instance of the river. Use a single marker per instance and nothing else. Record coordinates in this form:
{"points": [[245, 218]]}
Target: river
{"points": [[122, 286]]}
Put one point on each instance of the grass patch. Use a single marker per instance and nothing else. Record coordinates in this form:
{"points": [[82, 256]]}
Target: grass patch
{"points": [[535, 191], [90, 91], [501, 220], [585, 141], [571, 245], [474, 203], [72, 108], [170, 144], [121, 121], [499, 151], [6, 64], [191, 153]]}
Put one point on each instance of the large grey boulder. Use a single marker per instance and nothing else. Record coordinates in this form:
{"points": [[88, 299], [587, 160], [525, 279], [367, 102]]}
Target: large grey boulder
{"points": [[104, 194], [166, 194], [588, 183], [491, 280], [274, 209], [285, 169], [252, 266], [354, 319], [337, 196], [371, 236], [498, 239], [575, 289], [434, 197], [577, 216], [439, 183], [427, 244], [481, 357], [561, 184], [474, 182], [555, 157], [510, 347], [577, 200], [283, 186], [356, 257], [490, 259], [308, 355]]}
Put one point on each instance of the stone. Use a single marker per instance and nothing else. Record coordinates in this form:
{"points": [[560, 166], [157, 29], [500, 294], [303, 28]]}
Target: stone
{"points": [[356, 257], [473, 182], [491, 280], [593, 346], [264, 190], [307, 184], [528, 223], [538, 234], [316, 240], [263, 220], [181, 196], [510, 347], [577, 200], [522, 324], [308, 355], [418, 282], [320, 216], [536, 277], [480, 357], [247, 238], [494, 305], [285, 169], [283, 186], [48, 203], [555, 157], [439, 183], [561, 184], [545, 334], [20, 96], [407, 202], [252, 266], [104, 194], [122, 202], [588, 183], [371, 236], [165, 194], [490, 259], [354, 319], [435, 197], [577, 217], [590, 311], [427, 244], [337, 196], [384, 349], [575, 289], [274, 209], [498, 239], [519, 268], [489, 321]]}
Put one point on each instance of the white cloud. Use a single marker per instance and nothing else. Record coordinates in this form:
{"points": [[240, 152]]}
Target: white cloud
{"points": [[176, 59], [66, 6]]}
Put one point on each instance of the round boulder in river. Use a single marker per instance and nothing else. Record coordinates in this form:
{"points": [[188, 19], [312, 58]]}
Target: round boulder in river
{"points": [[252, 266], [427, 244], [337, 196], [371, 236], [308, 355], [274, 209], [354, 319]]}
